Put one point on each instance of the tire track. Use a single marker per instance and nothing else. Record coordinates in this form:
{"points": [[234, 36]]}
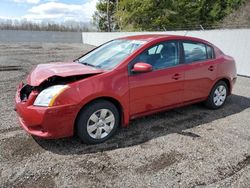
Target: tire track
{"points": [[11, 68], [12, 129]]}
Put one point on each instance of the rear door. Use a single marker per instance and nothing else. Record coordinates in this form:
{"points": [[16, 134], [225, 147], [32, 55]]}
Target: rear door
{"points": [[200, 70]]}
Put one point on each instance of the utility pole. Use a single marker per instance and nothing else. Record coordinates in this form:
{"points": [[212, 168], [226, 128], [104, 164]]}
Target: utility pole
{"points": [[108, 16]]}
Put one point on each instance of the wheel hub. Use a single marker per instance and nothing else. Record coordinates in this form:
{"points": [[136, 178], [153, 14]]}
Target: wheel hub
{"points": [[100, 123]]}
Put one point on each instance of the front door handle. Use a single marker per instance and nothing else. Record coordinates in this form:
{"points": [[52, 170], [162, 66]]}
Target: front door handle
{"points": [[211, 68], [176, 76]]}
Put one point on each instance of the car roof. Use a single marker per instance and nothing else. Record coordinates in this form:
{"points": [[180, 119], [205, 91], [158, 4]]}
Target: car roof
{"points": [[152, 37], [147, 37]]}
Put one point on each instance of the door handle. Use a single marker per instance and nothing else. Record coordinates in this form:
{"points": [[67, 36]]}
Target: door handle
{"points": [[176, 76], [211, 68]]}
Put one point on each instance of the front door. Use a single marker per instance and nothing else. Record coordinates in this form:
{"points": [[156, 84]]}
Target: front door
{"points": [[163, 86]]}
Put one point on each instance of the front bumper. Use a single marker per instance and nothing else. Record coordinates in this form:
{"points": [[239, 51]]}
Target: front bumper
{"points": [[45, 122]]}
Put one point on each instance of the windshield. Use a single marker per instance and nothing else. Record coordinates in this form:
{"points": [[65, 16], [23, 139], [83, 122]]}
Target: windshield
{"points": [[110, 54]]}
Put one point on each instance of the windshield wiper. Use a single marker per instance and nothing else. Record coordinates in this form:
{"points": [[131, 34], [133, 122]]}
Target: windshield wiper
{"points": [[88, 64], [76, 60]]}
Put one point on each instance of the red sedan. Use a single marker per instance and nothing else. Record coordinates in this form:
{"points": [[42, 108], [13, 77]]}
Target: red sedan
{"points": [[119, 81]]}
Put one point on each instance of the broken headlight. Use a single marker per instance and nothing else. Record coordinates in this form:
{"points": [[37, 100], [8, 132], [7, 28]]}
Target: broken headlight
{"points": [[48, 95]]}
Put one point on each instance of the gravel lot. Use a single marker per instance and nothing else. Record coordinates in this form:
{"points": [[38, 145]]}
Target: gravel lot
{"points": [[186, 147]]}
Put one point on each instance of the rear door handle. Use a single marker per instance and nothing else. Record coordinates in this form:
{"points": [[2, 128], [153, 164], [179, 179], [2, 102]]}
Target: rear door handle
{"points": [[211, 68], [176, 76]]}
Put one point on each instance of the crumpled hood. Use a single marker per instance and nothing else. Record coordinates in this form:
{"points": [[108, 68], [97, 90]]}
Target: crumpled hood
{"points": [[44, 71]]}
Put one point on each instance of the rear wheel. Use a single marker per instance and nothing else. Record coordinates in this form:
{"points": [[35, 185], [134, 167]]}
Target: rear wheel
{"points": [[97, 122], [218, 95]]}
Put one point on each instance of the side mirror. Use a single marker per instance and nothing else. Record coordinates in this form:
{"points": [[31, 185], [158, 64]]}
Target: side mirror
{"points": [[142, 67]]}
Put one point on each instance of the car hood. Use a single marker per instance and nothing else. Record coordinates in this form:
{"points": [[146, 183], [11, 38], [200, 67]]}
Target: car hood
{"points": [[44, 71]]}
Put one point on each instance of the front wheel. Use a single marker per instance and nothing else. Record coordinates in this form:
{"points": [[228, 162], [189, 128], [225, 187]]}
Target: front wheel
{"points": [[97, 122], [218, 95]]}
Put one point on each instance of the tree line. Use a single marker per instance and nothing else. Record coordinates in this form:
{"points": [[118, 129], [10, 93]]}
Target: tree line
{"points": [[69, 26], [160, 15]]}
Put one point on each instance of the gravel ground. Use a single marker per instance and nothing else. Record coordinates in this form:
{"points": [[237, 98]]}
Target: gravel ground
{"points": [[186, 147]]}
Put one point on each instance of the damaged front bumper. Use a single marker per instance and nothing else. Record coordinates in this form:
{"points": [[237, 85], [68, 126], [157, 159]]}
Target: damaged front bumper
{"points": [[46, 122]]}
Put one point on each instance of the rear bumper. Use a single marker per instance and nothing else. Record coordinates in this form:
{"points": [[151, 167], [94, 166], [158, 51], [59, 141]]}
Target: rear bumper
{"points": [[46, 122]]}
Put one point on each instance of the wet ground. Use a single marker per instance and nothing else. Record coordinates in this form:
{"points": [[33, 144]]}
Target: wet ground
{"points": [[186, 147]]}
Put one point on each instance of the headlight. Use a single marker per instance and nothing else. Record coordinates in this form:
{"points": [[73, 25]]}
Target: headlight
{"points": [[48, 96]]}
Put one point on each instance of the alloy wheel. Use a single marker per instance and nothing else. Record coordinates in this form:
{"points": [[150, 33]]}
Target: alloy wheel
{"points": [[220, 95], [100, 124]]}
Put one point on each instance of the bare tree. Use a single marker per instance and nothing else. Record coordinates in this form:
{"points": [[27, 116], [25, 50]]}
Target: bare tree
{"points": [[108, 17], [68, 26]]}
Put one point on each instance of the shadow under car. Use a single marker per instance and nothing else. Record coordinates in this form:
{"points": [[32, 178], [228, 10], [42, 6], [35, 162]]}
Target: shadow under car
{"points": [[144, 129]]}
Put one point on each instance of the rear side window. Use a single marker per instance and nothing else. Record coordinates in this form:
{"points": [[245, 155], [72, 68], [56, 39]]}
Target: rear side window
{"points": [[196, 52], [210, 52]]}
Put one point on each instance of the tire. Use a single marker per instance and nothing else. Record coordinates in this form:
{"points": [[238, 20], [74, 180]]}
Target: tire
{"points": [[217, 96], [97, 122]]}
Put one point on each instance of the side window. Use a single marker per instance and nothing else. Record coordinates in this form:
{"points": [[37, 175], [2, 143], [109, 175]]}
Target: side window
{"points": [[152, 50], [155, 50], [160, 56], [210, 52], [194, 52]]}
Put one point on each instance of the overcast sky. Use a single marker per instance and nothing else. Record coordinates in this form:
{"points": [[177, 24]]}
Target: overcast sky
{"points": [[53, 10]]}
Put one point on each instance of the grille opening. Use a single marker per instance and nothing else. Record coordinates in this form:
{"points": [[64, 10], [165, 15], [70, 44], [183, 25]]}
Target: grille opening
{"points": [[25, 92]]}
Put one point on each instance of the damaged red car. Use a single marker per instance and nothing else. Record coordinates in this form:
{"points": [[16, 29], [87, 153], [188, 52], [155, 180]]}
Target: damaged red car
{"points": [[122, 80]]}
